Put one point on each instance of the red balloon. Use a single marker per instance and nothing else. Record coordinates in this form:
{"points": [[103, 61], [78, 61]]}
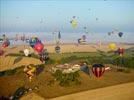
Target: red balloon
{"points": [[98, 70], [39, 47], [120, 51]]}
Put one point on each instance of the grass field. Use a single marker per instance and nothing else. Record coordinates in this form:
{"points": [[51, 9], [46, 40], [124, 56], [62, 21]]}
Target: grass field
{"points": [[10, 80]]}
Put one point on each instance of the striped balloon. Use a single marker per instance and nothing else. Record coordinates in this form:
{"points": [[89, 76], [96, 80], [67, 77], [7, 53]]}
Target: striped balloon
{"points": [[98, 70]]}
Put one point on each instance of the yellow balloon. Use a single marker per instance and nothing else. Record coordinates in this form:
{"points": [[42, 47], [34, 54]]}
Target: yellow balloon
{"points": [[112, 46], [74, 23]]}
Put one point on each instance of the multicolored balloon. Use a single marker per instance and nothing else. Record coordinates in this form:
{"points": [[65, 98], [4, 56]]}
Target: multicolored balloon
{"points": [[44, 55], [33, 41], [98, 70]]}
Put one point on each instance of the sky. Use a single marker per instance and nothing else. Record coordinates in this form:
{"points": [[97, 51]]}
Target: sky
{"points": [[42, 17], [99, 16]]}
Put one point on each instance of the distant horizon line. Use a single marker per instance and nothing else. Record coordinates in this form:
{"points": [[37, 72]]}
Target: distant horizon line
{"points": [[57, 31]]}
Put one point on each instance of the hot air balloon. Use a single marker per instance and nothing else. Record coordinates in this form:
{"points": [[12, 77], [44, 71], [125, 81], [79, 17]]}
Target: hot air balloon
{"points": [[38, 47], [59, 35], [96, 19], [85, 27], [84, 37], [120, 34], [1, 52], [74, 16], [30, 71], [4, 36], [74, 23], [109, 33], [98, 70], [33, 41], [85, 30], [27, 52], [57, 49], [6, 43], [44, 55], [79, 41], [85, 68], [112, 46], [120, 51]]}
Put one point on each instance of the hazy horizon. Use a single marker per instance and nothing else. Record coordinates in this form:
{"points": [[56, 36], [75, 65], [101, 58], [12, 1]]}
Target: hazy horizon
{"points": [[48, 37], [46, 16]]}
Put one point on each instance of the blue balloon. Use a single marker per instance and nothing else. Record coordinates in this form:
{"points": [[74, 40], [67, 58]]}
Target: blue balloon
{"points": [[85, 69], [120, 34]]}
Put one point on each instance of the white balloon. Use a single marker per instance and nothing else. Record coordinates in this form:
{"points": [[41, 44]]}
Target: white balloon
{"points": [[27, 52]]}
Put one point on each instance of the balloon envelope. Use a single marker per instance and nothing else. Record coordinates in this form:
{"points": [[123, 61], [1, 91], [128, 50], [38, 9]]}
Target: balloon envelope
{"points": [[74, 23], [27, 52], [120, 51], [120, 34], [33, 41], [57, 49], [59, 35], [44, 55], [112, 46], [38, 47], [98, 70], [84, 37], [109, 33], [85, 69]]}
